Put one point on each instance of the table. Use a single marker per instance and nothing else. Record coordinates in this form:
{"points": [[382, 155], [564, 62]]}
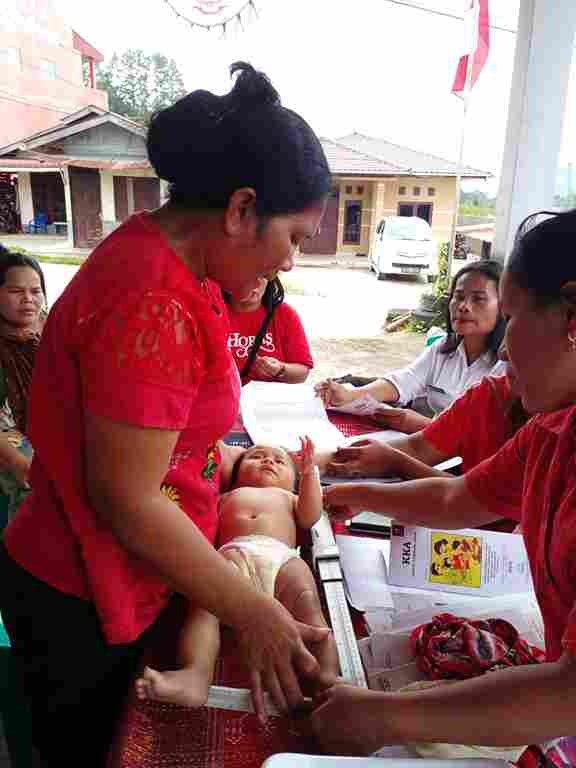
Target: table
{"points": [[153, 734]]}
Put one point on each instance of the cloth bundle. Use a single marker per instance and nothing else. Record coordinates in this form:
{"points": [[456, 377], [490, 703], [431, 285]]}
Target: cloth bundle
{"points": [[453, 648]]}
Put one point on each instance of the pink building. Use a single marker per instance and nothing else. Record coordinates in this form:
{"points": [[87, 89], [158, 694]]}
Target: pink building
{"points": [[46, 69]]}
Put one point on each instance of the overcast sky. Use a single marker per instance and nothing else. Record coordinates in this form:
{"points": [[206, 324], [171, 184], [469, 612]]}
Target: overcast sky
{"points": [[367, 65]]}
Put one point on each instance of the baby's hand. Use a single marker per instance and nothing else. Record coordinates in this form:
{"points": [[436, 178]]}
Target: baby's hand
{"points": [[305, 456]]}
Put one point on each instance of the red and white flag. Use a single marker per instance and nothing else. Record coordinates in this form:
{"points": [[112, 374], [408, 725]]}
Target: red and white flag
{"points": [[477, 23]]}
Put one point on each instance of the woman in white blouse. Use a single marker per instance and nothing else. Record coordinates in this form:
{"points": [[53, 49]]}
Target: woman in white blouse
{"points": [[469, 351]]}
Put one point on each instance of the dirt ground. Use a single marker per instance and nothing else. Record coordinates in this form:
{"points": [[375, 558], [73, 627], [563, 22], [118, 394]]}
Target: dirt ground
{"points": [[371, 356]]}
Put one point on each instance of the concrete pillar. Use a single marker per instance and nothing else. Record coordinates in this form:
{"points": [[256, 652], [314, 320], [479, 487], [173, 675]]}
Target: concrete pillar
{"points": [[25, 198], [107, 196], [543, 58], [64, 172], [130, 195]]}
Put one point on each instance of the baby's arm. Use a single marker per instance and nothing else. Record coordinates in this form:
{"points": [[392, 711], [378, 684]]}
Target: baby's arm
{"points": [[309, 503]]}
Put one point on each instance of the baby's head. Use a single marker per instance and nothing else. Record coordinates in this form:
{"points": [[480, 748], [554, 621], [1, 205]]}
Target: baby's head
{"points": [[265, 466]]}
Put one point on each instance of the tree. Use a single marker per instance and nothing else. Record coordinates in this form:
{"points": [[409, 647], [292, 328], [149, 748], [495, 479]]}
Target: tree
{"points": [[138, 83]]}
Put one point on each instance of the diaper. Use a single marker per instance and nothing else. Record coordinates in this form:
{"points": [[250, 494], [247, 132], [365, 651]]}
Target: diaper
{"points": [[260, 559]]}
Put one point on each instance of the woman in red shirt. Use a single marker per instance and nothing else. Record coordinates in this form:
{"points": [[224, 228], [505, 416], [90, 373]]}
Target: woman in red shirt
{"points": [[266, 336], [534, 477], [474, 427], [133, 387]]}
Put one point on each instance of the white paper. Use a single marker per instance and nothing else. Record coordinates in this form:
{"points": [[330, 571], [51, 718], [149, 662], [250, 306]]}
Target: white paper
{"points": [[279, 414], [467, 561], [363, 562]]}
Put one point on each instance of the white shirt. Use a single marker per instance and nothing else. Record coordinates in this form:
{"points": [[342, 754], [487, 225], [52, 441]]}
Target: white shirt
{"points": [[441, 378]]}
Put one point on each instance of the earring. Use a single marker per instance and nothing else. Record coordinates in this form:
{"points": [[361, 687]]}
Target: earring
{"points": [[572, 342]]}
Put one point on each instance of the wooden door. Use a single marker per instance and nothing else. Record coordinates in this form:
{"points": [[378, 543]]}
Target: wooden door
{"points": [[86, 206], [121, 197], [326, 241], [146, 193]]}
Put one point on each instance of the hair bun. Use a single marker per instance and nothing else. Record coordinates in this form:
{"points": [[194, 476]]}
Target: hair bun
{"points": [[251, 88]]}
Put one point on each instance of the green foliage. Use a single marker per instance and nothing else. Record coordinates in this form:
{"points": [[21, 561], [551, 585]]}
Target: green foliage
{"points": [[138, 83], [566, 202], [435, 303]]}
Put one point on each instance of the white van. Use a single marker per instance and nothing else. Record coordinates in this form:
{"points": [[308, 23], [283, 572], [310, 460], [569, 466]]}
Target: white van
{"points": [[403, 245]]}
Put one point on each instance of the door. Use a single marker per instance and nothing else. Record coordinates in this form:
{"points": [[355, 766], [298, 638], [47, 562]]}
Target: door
{"points": [[86, 206], [326, 241], [146, 193]]}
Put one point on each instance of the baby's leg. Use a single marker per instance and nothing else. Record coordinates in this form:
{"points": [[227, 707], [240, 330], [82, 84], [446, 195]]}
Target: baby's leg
{"points": [[296, 590], [198, 648]]}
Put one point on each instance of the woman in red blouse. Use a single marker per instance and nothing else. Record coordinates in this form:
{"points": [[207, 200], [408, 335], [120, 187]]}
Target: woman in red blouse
{"points": [[266, 337], [534, 476], [132, 389]]}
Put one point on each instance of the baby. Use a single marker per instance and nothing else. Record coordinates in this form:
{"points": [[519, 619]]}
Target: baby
{"points": [[258, 524]]}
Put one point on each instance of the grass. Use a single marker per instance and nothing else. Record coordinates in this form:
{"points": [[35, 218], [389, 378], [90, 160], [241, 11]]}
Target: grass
{"points": [[69, 260]]}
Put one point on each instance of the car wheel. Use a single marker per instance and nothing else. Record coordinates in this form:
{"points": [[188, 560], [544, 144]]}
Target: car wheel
{"points": [[381, 275]]}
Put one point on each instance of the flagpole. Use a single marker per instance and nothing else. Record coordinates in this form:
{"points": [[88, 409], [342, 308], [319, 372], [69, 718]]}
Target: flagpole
{"points": [[460, 166]]}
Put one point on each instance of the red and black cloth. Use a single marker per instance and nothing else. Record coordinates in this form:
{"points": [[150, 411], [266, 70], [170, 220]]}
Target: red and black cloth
{"points": [[452, 648]]}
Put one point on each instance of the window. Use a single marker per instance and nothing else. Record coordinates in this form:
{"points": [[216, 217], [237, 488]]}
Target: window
{"points": [[360, 190], [421, 210], [348, 190], [47, 69], [416, 191], [431, 191], [352, 221], [401, 190]]}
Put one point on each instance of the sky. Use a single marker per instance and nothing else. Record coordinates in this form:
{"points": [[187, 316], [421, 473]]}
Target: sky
{"points": [[372, 66]]}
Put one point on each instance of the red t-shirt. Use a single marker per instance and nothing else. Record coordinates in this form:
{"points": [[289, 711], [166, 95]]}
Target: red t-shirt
{"points": [[476, 425], [137, 339], [285, 338], [534, 477]]}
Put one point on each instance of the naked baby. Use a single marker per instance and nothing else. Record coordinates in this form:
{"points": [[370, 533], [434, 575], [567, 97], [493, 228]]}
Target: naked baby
{"points": [[258, 526]]}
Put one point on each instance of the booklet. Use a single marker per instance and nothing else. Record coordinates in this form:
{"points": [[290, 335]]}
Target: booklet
{"points": [[470, 561]]}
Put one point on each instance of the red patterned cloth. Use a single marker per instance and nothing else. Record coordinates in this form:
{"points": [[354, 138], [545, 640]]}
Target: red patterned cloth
{"points": [[452, 648], [156, 735]]}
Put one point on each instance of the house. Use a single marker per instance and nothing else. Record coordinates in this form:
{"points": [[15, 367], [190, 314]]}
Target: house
{"points": [[375, 178], [88, 173], [46, 69], [46, 73], [91, 171]]}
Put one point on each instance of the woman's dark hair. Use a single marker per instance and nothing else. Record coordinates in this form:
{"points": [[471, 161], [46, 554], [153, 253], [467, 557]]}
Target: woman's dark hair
{"points": [[272, 297], [492, 270], [9, 259], [208, 146], [542, 259]]}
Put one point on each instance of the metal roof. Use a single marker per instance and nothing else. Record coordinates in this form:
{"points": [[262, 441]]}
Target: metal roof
{"points": [[408, 161]]}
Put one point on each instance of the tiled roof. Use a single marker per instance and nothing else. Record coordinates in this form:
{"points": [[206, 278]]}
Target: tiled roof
{"points": [[345, 160], [407, 161]]}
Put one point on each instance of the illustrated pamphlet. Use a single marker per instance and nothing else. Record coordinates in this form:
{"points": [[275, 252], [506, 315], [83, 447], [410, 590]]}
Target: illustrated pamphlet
{"points": [[470, 561]]}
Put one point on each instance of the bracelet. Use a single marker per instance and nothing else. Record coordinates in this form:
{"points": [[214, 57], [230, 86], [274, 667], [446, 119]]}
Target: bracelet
{"points": [[281, 372]]}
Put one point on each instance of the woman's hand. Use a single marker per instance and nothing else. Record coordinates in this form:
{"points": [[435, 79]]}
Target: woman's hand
{"points": [[351, 721], [266, 367], [333, 393], [20, 469], [341, 501], [401, 419], [273, 646], [365, 458]]}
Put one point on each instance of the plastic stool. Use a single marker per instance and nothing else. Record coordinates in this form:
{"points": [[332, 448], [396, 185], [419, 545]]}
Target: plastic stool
{"points": [[14, 709]]}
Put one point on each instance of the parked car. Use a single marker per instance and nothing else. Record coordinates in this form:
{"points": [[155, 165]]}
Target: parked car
{"points": [[403, 245]]}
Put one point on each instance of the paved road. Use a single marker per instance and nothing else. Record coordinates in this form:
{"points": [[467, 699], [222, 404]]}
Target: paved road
{"points": [[339, 301]]}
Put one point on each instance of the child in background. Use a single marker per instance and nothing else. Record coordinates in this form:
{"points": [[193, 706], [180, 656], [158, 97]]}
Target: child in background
{"points": [[259, 519]]}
